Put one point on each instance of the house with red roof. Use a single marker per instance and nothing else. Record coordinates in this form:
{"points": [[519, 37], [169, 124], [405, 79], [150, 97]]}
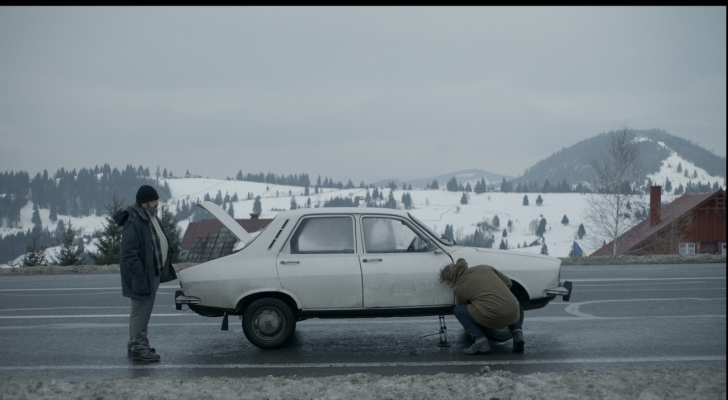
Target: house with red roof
{"points": [[208, 239], [695, 223]]}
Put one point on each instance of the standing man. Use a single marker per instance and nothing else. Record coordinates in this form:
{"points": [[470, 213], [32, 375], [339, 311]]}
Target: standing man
{"points": [[483, 300], [145, 262]]}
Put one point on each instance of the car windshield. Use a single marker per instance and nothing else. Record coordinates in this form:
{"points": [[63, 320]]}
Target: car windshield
{"points": [[445, 241]]}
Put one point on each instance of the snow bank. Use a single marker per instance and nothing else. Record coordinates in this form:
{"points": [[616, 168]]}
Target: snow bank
{"points": [[705, 383]]}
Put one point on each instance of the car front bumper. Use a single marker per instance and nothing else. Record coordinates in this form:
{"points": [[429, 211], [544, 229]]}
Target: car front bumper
{"points": [[564, 289]]}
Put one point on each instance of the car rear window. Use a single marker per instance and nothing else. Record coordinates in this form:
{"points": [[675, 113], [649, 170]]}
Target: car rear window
{"points": [[324, 235]]}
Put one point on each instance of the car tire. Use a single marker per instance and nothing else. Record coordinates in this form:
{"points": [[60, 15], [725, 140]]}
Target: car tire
{"points": [[268, 323], [500, 334]]}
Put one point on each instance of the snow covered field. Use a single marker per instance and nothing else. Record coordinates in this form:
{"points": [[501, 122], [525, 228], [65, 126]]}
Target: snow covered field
{"points": [[437, 208], [706, 383]]}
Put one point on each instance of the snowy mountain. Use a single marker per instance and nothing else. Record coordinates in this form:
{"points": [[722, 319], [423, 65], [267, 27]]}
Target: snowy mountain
{"points": [[656, 149]]}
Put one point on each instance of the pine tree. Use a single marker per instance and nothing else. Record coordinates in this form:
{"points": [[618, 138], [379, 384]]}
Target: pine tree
{"points": [[36, 218], [668, 185], [257, 208], [544, 249], [164, 174], [505, 232], [53, 216], [565, 220], [231, 211], [368, 197], [449, 232], [434, 185], [525, 199], [239, 176], [496, 221], [464, 199], [173, 232], [34, 251], [679, 167], [293, 203], [503, 245], [70, 253], [541, 227], [109, 237], [539, 200], [510, 226], [581, 232]]}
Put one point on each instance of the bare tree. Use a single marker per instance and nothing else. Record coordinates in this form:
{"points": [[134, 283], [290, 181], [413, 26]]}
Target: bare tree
{"points": [[615, 184]]}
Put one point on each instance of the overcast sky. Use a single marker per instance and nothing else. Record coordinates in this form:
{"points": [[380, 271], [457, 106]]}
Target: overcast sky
{"points": [[360, 93]]}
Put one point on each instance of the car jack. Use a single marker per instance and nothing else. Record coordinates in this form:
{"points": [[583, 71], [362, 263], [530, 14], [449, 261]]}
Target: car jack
{"points": [[443, 333]]}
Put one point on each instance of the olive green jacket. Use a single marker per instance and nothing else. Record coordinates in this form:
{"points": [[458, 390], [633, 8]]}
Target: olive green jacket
{"points": [[487, 290]]}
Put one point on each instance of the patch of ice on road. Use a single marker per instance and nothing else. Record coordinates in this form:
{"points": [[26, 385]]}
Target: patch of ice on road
{"points": [[703, 383]]}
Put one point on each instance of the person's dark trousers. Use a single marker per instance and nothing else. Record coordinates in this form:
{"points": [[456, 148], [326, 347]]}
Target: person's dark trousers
{"points": [[141, 311], [473, 328]]}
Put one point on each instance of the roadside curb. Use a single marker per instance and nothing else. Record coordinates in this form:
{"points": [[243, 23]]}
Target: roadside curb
{"points": [[648, 259], [74, 269]]}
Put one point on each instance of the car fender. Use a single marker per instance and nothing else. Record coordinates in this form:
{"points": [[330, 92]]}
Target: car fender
{"points": [[290, 294]]}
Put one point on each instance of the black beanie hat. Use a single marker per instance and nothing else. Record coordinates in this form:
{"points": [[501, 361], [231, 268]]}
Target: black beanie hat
{"points": [[146, 193]]}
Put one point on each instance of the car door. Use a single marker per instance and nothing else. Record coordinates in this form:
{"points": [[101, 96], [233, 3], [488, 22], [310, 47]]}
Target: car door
{"points": [[400, 266], [319, 263]]}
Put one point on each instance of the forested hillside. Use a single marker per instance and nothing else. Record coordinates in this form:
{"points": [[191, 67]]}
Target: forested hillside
{"points": [[573, 163]]}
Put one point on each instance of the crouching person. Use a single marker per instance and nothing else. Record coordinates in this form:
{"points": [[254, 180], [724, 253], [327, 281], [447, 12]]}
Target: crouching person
{"points": [[483, 300]]}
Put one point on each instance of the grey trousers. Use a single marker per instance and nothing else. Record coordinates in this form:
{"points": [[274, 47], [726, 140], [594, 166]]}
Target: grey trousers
{"points": [[141, 311]]}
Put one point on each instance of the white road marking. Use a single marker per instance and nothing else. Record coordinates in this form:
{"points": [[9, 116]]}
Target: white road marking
{"points": [[369, 365], [642, 279], [88, 316], [57, 289], [573, 308]]}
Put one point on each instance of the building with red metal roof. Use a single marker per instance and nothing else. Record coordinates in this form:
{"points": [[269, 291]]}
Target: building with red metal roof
{"points": [[209, 239], [695, 223]]}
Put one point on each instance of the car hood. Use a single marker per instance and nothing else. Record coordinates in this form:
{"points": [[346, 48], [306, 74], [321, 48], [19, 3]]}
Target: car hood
{"points": [[226, 220]]}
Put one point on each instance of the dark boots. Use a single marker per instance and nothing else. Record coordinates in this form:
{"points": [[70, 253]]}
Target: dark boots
{"points": [[518, 342]]}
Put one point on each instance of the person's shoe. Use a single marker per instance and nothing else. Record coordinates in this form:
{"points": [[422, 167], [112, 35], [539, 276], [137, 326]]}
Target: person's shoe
{"points": [[145, 355], [128, 350], [480, 346], [518, 342]]}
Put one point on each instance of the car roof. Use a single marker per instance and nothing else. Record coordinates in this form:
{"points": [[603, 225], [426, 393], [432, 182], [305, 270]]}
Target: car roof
{"points": [[340, 210]]}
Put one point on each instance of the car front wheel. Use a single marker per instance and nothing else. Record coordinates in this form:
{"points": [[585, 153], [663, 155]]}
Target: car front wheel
{"points": [[268, 323]]}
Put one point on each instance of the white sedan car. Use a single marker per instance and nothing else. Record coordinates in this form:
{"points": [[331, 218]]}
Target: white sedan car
{"points": [[346, 263]]}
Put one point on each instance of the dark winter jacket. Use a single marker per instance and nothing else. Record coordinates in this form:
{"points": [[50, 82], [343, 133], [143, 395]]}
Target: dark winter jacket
{"points": [[137, 257], [486, 291]]}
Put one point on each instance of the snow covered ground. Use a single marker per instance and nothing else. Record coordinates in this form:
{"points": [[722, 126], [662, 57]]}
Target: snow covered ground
{"points": [[437, 208], [706, 383]]}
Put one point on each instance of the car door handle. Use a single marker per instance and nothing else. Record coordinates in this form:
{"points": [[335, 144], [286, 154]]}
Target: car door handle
{"points": [[290, 262], [372, 260]]}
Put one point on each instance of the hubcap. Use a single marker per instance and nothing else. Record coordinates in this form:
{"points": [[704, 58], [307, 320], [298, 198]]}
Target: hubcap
{"points": [[268, 323]]}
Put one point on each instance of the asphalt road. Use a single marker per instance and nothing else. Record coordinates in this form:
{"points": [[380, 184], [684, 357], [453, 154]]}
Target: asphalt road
{"points": [[619, 317]]}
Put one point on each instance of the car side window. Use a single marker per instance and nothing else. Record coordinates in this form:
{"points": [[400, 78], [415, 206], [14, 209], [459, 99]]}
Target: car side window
{"points": [[390, 235], [323, 235]]}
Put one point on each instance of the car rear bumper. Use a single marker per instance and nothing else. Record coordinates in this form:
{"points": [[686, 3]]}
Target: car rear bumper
{"points": [[180, 299]]}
